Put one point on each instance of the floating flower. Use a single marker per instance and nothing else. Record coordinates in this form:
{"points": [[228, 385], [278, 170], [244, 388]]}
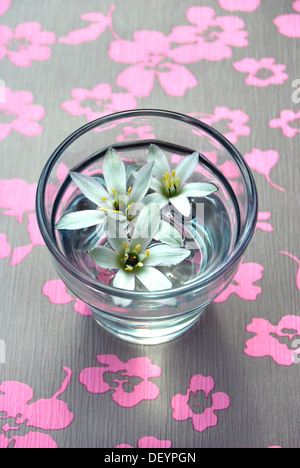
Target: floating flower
{"points": [[134, 258], [170, 186], [262, 73], [113, 199], [27, 43]]}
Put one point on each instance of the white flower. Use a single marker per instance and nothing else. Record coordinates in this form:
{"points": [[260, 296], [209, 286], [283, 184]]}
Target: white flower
{"points": [[115, 199], [169, 185], [134, 258]]}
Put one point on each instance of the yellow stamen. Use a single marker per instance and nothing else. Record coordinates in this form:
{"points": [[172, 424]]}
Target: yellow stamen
{"points": [[138, 247], [167, 184], [102, 199], [114, 192], [103, 209], [125, 245], [128, 269], [115, 211], [140, 264], [173, 173], [177, 182], [148, 253], [130, 204], [167, 176], [172, 183], [129, 190]]}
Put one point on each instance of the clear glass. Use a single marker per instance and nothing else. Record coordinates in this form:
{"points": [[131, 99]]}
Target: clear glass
{"points": [[218, 233]]}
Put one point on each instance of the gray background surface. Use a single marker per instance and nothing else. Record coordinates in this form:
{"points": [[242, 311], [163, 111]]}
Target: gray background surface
{"points": [[41, 337]]}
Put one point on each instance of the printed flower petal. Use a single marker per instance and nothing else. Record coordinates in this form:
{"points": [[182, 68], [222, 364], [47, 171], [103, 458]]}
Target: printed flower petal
{"points": [[161, 165], [152, 279], [105, 257], [165, 255], [187, 166], [80, 219], [114, 172], [182, 204], [90, 187], [142, 183], [198, 189]]}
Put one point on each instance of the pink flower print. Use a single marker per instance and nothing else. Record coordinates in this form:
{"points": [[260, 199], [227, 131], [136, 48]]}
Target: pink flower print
{"points": [[91, 32], [287, 117], [280, 342], [125, 391], [148, 442], [138, 133], [261, 224], [16, 402], [262, 73], [4, 6], [296, 5], [27, 43], [236, 125], [150, 57], [19, 114], [17, 197], [289, 25], [187, 406], [239, 5], [5, 248], [211, 38], [243, 283], [263, 162], [56, 292], [20, 253], [298, 263], [98, 102]]}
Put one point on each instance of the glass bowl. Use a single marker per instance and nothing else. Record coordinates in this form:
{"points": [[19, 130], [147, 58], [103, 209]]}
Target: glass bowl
{"points": [[217, 232]]}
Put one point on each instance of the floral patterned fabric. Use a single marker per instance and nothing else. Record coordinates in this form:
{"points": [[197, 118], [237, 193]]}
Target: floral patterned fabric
{"points": [[233, 379]]}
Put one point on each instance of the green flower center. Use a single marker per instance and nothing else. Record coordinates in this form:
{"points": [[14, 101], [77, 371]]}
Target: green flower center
{"points": [[171, 183]]}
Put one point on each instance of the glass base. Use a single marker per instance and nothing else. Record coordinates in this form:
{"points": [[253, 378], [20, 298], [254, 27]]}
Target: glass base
{"points": [[147, 332]]}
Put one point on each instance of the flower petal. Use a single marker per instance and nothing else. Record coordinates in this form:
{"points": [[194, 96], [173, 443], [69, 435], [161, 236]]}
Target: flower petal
{"points": [[152, 279], [182, 204], [165, 255], [161, 165], [168, 234], [187, 166], [142, 183], [105, 257], [146, 226], [90, 187], [116, 234], [198, 189], [157, 198], [124, 280], [114, 172], [80, 219]]}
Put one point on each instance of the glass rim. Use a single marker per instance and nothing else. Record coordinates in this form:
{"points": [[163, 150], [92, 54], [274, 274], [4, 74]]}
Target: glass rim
{"points": [[235, 254]]}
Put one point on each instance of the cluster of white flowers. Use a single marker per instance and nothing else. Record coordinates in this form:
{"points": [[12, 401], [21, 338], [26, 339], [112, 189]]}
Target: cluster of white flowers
{"points": [[132, 218]]}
